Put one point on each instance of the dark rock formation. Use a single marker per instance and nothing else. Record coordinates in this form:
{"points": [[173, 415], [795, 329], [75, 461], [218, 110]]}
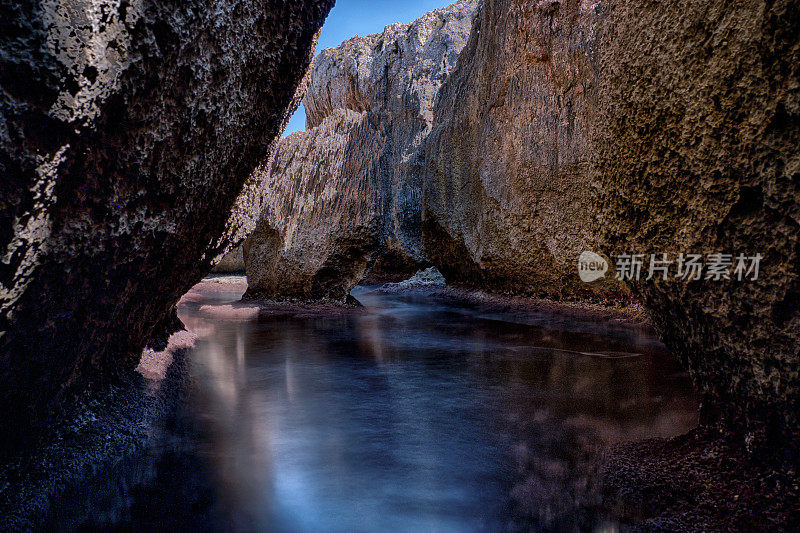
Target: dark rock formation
{"points": [[507, 203], [345, 194], [127, 130], [693, 113], [697, 141]]}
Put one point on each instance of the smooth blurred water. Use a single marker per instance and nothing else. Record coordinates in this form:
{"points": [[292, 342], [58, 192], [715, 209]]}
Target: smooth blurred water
{"points": [[412, 415]]}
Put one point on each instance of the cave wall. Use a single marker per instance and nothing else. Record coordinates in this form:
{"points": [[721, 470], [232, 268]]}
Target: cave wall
{"points": [[127, 129], [696, 144], [507, 189]]}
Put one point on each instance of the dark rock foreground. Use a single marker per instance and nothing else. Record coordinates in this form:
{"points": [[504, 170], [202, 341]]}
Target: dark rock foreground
{"points": [[127, 130]]}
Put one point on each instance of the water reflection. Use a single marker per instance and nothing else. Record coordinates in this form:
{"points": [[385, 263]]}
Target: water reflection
{"points": [[415, 416]]}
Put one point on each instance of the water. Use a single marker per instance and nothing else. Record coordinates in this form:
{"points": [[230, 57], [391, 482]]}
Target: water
{"points": [[411, 416]]}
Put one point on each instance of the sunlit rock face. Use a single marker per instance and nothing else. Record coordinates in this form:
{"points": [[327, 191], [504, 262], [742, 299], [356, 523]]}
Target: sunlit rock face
{"points": [[697, 140], [508, 194], [127, 130], [321, 220], [346, 193], [232, 261]]}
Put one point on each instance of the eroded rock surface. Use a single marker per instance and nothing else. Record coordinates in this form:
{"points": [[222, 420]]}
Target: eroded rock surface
{"points": [[320, 227], [508, 194], [127, 130], [346, 193], [232, 261], [697, 140], [430, 278]]}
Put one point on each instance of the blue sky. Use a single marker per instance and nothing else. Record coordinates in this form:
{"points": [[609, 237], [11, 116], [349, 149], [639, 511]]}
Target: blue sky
{"points": [[363, 17]]}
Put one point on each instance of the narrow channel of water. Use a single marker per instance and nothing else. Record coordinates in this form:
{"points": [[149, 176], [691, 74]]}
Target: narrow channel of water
{"points": [[409, 416]]}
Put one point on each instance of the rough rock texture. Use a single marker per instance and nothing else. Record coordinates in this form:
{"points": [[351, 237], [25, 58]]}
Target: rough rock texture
{"points": [[127, 130], [114, 436], [232, 261], [507, 202], [699, 481], [321, 220], [247, 209], [697, 151], [430, 278], [346, 193]]}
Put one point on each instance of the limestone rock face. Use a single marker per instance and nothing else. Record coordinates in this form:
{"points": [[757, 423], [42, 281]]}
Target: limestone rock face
{"points": [[320, 227], [508, 195], [697, 152], [127, 129], [232, 261], [346, 194]]}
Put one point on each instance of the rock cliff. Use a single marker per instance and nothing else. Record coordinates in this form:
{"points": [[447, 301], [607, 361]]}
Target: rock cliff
{"points": [[634, 127], [697, 141], [320, 227], [232, 261], [345, 195], [127, 129], [508, 192]]}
